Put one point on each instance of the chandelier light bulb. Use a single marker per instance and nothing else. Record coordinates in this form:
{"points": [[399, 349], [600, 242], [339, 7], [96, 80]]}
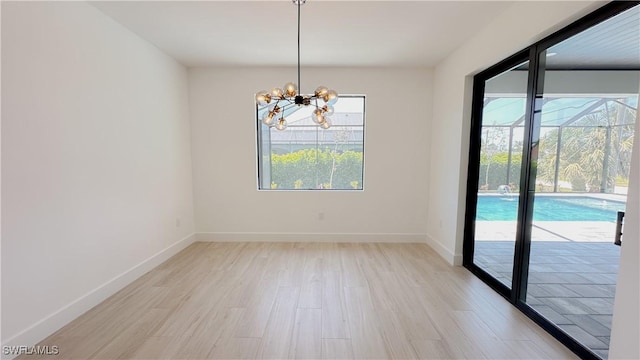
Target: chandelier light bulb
{"points": [[326, 124], [277, 93], [331, 97], [328, 110], [268, 119], [317, 117], [282, 124], [290, 89], [321, 91], [263, 98]]}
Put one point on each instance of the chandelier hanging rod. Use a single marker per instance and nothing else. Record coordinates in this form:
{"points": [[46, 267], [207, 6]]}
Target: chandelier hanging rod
{"points": [[284, 99], [299, 2]]}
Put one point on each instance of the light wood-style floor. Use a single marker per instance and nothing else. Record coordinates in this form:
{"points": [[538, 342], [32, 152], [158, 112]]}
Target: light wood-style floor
{"points": [[307, 301]]}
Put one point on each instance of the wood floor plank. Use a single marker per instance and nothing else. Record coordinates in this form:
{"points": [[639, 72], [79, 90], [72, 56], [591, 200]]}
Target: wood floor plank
{"points": [[334, 310], [337, 349], [396, 341], [227, 345], [245, 281], [131, 338], [525, 348], [366, 339], [407, 308], [259, 307], [472, 325], [375, 277], [307, 335], [197, 344], [278, 334], [70, 347], [331, 261], [437, 349], [351, 273], [311, 288], [291, 265], [235, 348], [305, 301], [154, 347]]}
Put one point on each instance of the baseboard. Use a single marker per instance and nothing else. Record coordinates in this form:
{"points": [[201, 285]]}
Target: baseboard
{"points": [[310, 237], [52, 323], [448, 256]]}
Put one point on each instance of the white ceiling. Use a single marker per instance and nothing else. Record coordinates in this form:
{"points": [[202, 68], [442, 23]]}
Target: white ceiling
{"points": [[334, 33]]}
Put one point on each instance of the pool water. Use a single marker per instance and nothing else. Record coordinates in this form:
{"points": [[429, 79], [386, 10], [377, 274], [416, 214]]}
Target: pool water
{"points": [[550, 208]]}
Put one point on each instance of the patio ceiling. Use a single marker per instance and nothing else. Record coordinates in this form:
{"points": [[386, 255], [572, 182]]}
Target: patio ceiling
{"points": [[559, 111]]}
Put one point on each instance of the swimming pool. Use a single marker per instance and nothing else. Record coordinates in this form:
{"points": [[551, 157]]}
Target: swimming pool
{"points": [[549, 208]]}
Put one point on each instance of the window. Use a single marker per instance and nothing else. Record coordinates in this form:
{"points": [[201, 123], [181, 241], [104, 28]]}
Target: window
{"points": [[306, 157]]}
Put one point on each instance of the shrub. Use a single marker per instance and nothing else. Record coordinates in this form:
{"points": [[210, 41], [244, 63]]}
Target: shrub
{"points": [[497, 171], [317, 168]]}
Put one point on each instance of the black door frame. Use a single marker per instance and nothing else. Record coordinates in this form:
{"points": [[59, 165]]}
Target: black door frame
{"points": [[536, 55]]}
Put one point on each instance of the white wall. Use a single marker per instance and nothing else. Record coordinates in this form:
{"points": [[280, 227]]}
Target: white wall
{"points": [[452, 107], [391, 208], [625, 330], [96, 162]]}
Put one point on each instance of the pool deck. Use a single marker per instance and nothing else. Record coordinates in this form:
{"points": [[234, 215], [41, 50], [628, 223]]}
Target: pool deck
{"points": [[599, 196], [572, 273], [573, 231]]}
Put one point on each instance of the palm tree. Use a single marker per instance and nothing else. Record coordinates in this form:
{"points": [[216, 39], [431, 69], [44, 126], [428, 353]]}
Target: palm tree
{"points": [[594, 150]]}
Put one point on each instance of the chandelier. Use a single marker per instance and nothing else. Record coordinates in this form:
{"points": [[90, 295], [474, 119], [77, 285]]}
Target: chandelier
{"points": [[287, 99]]}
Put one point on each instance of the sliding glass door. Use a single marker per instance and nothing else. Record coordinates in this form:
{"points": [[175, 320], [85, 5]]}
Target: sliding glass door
{"points": [[587, 119], [499, 146], [552, 129]]}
